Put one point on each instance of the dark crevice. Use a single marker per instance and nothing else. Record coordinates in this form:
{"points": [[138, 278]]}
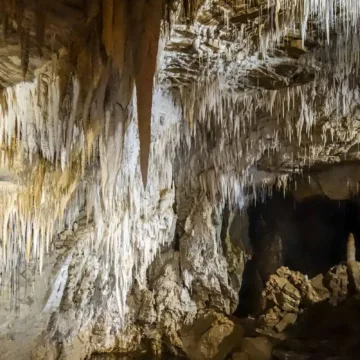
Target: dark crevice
{"points": [[224, 226]]}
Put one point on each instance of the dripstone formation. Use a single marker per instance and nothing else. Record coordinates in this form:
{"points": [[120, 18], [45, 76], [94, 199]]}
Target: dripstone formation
{"points": [[170, 168]]}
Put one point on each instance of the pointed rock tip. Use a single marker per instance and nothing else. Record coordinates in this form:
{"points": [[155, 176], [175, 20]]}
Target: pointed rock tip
{"points": [[144, 174]]}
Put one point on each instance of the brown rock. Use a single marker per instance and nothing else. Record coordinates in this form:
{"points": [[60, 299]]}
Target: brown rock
{"points": [[336, 280], [286, 321], [284, 272], [259, 348], [307, 292], [212, 336], [282, 293], [272, 317], [318, 285], [290, 298]]}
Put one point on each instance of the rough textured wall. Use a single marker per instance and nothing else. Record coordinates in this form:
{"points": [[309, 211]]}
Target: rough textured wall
{"points": [[77, 313]]}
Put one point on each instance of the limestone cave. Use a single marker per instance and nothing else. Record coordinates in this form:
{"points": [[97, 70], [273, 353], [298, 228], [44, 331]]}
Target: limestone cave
{"points": [[179, 179]]}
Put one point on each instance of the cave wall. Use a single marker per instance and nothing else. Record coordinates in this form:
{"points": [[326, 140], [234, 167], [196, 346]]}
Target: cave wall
{"points": [[77, 310], [214, 263], [237, 104]]}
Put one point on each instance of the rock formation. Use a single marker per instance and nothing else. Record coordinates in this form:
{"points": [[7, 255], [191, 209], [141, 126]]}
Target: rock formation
{"points": [[164, 163]]}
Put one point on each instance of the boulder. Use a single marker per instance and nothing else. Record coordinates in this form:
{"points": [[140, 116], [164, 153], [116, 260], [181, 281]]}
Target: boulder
{"points": [[285, 291], [336, 280], [318, 285], [272, 317], [212, 336], [282, 293], [288, 320], [259, 348]]}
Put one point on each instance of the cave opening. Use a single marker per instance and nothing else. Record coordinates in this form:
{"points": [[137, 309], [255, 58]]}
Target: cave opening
{"points": [[308, 236]]}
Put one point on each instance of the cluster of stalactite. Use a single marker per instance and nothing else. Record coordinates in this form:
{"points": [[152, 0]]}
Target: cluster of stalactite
{"points": [[73, 120], [98, 134]]}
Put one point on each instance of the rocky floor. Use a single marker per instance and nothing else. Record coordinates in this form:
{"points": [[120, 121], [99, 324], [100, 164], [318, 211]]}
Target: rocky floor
{"points": [[301, 319], [313, 319]]}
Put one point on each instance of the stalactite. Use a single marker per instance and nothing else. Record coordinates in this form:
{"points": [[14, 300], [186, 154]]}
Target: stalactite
{"points": [[119, 33], [40, 24], [19, 14], [107, 24], [145, 46], [25, 55], [5, 22], [92, 9]]}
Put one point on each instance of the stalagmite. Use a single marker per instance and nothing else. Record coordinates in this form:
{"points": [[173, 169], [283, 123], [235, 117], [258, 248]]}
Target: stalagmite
{"points": [[351, 249]]}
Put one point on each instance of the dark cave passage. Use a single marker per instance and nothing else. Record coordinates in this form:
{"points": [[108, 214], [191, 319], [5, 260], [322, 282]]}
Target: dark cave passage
{"points": [[308, 236]]}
